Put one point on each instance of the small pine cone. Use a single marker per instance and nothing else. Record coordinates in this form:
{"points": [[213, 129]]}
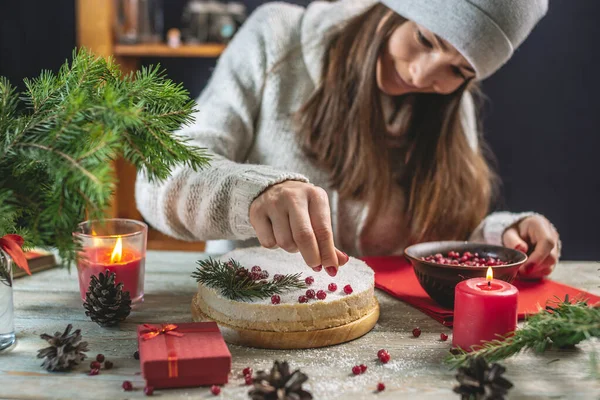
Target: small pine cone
{"points": [[279, 384], [105, 302], [65, 352], [481, 381]]}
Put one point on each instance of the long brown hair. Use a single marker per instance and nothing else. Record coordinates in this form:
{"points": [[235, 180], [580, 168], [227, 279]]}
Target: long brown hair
{"points": [[342, 129]]}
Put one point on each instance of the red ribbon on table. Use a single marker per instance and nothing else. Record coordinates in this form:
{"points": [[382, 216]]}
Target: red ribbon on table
{"points": [[167, 330], [12, 244]]}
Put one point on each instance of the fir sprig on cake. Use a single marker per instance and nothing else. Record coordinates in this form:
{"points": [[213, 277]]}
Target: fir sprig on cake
{"points": [[239, 283]]}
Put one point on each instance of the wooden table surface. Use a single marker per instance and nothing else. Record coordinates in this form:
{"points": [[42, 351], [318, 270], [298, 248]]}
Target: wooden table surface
{"points": [[49, 300]]}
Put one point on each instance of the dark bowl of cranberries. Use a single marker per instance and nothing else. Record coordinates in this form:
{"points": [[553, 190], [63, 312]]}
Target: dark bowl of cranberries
{"points": [[440, 266]]}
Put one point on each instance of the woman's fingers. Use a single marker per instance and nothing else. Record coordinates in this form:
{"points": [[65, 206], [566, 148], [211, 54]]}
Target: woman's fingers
{"points": [[264, 232], [512, 240], [304, 237], [283, 231], [342, 257], [320, 218], [544, 238]]}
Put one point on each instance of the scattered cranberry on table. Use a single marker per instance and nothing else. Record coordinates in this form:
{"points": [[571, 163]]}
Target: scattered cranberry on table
{"points": [[384, 356], [356, 370], [467, 259], [149, 390], [108, 364], [443, 337], [277, 277], [264, 274], [332, 287], [309, 280], [275, 299], [348, 289], [94, 371], [310, 294], [100, 358], [127, 386], [380, 387], [247, 371], [95, 365], [363, 368], [302, 299], [214, 389], [416, 332], [136, 355], [321, 295], [256, 268], [248, 379]]}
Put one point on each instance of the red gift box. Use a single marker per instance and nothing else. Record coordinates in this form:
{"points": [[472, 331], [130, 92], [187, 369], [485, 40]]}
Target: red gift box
{"points": [[183, 355]]}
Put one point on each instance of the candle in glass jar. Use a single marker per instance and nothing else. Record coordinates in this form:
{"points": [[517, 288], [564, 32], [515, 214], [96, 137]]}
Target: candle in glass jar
{"points": [[127, 264], [483, 309]]}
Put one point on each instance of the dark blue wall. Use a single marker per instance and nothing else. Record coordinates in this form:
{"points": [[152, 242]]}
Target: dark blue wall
{"points": [[542, 119]]}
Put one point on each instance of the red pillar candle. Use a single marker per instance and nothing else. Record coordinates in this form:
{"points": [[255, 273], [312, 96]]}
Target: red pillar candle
{"points": [[483, 309], [127, 264]]}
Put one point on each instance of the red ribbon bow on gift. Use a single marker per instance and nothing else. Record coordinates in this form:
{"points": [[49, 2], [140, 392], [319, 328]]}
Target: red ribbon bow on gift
{"points": [[12, 244], [153, 332]]}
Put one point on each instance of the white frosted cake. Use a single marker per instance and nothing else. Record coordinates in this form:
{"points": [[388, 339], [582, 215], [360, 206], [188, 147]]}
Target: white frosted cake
{"points": [[289, 312]]}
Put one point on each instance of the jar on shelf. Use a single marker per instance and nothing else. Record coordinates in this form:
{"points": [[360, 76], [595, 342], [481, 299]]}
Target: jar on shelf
{"points": [[195, 21], [138, 21]]}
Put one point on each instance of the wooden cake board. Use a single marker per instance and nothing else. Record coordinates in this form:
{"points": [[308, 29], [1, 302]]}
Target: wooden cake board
{"points": [[296, 339]]}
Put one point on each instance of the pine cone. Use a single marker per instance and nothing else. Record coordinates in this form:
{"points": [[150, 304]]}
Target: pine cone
{"points": [[65, 351], [481, 381], [279, 384], [106, 303]]}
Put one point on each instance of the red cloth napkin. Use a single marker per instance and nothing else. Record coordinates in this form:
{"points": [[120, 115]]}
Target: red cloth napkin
{"points": [[395, 275]]}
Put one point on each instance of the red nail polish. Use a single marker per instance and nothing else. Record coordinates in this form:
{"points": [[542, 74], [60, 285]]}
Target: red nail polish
{"points": [[331, 271], [318, 268], [347, 257]]}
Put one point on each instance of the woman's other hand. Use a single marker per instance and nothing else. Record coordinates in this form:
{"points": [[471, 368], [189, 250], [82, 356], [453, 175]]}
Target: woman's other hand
{"points": [[296, 217], [537, 237]]}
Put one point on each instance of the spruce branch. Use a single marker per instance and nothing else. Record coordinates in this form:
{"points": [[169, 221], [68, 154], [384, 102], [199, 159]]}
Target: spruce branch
{"points": [[236, 283], [59, 137], [560, 325]]}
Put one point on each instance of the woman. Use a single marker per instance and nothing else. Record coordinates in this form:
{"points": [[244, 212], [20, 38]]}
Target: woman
{"points": [[352, 123]]}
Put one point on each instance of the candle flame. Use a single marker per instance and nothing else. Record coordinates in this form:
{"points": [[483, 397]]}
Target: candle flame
{"points": [[490, 274], [117, 253]]}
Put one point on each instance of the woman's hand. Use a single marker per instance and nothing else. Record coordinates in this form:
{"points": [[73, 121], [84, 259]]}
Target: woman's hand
{"points": [[296, 217], [538, 233]]}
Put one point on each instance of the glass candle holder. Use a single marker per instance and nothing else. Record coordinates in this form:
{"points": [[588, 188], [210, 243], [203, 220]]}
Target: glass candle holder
{"points": [[117, 245]]}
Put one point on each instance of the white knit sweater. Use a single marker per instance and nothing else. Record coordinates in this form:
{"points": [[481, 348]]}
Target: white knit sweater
{"points": [[244, 119]]}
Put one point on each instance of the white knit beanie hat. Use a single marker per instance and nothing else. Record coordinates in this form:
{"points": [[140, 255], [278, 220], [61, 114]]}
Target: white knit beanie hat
{"points": [[485, 32]]}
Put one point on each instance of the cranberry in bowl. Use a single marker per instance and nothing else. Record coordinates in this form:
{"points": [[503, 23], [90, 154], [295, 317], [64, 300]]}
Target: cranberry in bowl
{"points": [[440, 266]]}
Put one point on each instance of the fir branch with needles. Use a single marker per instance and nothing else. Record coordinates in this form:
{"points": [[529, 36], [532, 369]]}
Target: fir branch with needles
{"points": [[59, 138], [236, 283], [561, 324]]}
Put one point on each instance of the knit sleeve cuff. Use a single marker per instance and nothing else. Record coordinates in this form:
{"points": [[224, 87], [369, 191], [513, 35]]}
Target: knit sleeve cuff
{"points": [[492, 228], [248, 187]]}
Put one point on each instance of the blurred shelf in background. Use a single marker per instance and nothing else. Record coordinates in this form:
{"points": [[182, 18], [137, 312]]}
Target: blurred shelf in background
{"points": [[162, 50]]}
